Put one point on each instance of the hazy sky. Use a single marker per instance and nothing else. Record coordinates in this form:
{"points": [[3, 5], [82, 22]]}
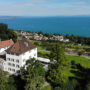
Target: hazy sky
{"points": [[44, 7]]}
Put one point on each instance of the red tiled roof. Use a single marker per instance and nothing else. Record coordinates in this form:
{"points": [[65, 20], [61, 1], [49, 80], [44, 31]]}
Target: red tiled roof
{"points": [[21, 46], [6, 43]]}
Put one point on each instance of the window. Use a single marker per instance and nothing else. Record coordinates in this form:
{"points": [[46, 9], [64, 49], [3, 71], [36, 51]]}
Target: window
{"points": [[12, 53], [17, 66], [17, 61], [12, 60], [9, 64], [8, 59], [17, 54], [13, 70], [8, 53], [9, 69], [13, 65], [18, 71]]}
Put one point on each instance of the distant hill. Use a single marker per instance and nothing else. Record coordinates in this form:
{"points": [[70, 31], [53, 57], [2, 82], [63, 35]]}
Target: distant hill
{"points": [[7, 17]]}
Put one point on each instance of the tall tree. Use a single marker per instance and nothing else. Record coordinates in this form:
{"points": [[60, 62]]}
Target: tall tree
{"points": [[57, 70], [33, 75]]}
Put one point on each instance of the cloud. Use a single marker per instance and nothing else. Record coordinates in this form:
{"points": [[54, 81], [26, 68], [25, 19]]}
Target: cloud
{"points": [[33, 2], [44, 8], [81, 3], [29, 4]]}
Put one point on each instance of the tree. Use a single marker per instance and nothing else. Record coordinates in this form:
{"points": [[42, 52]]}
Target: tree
{"points": [[6, 33], [11, 85], [3, 28], [3, 80], [33, 75], [12, 35], [88, 86], [58, 54], [57, 75], [79, 53]]}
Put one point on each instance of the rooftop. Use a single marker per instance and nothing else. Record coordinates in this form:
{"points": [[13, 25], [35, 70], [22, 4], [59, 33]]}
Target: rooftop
{"points": [[6, 43], [21, 46]]}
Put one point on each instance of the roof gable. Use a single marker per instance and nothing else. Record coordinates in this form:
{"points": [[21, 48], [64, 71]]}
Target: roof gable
{"points": [[21, 46]]}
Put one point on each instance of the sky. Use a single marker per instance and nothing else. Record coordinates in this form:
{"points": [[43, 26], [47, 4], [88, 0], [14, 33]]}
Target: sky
{"points": [[44, 7]]}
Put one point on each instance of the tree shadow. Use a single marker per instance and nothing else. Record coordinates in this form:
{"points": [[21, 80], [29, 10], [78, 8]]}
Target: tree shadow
{"points": [[18, 82], [82, 75]]}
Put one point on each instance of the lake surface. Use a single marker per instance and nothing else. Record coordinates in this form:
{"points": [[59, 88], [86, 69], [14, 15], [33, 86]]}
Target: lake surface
{"points": [[62, 25]]}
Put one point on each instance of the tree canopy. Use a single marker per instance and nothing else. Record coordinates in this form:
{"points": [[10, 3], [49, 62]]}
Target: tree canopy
{"points": [[57, 70], [6, 33], [33, 75]]}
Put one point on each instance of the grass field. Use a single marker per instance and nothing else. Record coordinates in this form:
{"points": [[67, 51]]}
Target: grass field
{"points": [[80, 59], [84, 62]]}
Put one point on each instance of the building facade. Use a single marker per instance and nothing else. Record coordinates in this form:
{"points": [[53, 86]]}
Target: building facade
{"points": [[17, 55]]}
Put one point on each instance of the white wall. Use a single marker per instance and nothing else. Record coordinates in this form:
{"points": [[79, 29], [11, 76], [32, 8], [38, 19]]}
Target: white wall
{"points": [[22, 60], [3, 49], [30, 54], [1, 64]]}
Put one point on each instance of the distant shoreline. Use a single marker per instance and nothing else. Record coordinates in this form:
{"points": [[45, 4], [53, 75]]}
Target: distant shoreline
{"points": [[1, 17]]}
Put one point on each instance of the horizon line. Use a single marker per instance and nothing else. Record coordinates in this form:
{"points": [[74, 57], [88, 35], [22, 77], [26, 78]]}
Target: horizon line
{"points": [[44, 16]]}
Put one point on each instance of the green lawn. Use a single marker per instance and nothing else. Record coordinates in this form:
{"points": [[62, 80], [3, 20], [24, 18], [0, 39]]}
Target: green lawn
{"points": [[41, 49], [80, 59]]}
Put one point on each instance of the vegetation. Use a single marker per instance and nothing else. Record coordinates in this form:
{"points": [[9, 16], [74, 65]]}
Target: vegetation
{"points": [[33, 75], [6, 83], [74, 82], [56, 74], [79, 39], [6, 34]]}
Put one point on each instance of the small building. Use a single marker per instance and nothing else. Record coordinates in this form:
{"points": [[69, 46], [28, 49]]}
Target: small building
{"points": [[38, 38], [45, 38], [17, 55], [66, 40]]}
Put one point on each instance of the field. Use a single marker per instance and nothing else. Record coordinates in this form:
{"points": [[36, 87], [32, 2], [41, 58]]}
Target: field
{"points": [[82, 60], [79, 60]]}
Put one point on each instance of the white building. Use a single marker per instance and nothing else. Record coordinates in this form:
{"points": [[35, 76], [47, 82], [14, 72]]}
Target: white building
{"points": [[66, 40], [17, 55]]}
